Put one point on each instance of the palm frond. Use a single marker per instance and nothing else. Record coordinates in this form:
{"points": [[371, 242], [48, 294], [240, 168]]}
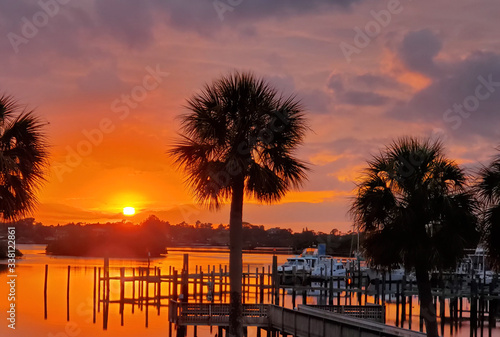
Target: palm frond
{"points": [[23, 159], [412, 192], [491, 234], [240, 129], [8, 107], [488, 187], [488, 191]]}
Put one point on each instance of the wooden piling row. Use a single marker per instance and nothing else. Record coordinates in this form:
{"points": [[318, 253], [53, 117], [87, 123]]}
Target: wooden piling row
{"points": [[151, 288]]}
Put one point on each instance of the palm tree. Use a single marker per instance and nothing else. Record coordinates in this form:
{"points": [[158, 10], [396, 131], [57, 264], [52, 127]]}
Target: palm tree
{"points": [[23, 158], [488, 189], [416, 209], [239, 138]]}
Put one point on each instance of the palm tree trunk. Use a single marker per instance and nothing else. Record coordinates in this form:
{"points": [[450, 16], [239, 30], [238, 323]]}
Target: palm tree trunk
{"points": [[427, 308], [236, 260]]}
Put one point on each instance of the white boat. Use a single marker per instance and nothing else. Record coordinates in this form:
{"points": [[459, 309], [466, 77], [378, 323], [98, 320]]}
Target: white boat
{"points": [[311, 255], [300, 264], [304, 262], [327, 267], [395, 275], [297, 269], [476, 265]]}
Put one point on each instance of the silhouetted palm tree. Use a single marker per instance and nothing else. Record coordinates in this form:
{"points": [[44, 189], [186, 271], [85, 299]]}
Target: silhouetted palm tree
{"points": [[23, 158], [489, 194], [239, 138], [415, 206]]}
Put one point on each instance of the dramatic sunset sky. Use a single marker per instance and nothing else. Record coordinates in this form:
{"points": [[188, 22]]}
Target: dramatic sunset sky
{"points": [[110, 76]]}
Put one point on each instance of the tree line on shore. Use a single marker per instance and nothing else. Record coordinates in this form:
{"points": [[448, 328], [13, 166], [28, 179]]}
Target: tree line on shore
{"points": [[154, 236]]}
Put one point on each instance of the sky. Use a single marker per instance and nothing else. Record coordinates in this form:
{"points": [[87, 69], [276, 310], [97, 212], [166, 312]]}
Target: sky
{"points": [[111, 77]]}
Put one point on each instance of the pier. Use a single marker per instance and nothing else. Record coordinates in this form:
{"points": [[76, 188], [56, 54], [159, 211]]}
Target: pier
{"points": [[200, 298], [306, 321]]}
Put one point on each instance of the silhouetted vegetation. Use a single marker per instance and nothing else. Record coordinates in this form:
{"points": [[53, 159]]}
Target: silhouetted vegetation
{"points": [[488, 190], [113, 240], [125, 239], [417, 210], [239, 138], [23, 158]]}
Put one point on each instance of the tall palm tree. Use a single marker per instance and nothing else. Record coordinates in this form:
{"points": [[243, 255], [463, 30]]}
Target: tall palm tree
{"points": [[239, 138], [489, 193], [23, 158], [416, 208]]}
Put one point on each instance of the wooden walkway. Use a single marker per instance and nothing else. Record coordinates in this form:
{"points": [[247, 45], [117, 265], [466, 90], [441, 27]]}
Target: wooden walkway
{"points": [[143, 288], [307, 321], [314, 322]]}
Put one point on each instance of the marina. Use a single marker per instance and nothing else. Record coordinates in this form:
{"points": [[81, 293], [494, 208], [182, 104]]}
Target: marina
{"points": [[124, 298], [200, 298]]}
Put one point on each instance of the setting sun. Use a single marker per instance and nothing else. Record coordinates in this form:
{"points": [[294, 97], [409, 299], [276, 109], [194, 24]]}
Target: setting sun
{"points": [[128, 210]]}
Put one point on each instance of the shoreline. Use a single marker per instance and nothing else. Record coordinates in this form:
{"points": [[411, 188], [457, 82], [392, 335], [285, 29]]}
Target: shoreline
{"points": [[187, 249], [225, 249]]}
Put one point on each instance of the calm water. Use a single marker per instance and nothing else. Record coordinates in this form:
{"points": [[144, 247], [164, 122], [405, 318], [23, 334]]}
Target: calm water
{"points": [[30, 302]]}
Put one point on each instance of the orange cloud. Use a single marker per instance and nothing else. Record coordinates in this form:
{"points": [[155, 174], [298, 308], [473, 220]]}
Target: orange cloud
{"points": [[323, 158], [349, 174], [313, 197], [392, 65], [415, 80]]}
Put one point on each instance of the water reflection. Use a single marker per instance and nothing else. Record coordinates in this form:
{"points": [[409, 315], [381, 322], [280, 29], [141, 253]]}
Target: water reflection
{"points": [[74, 303]]}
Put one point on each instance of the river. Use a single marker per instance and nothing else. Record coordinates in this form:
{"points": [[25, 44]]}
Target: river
{"points": [[29, 296]]}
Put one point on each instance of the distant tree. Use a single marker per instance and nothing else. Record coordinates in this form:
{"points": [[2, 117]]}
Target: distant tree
{"points": [[23, 158], [488, 188], [238, 138], [334, 232], [153, 223], [276, 237], [304, 239], [120, 239], [156, 231], [415, 206]]}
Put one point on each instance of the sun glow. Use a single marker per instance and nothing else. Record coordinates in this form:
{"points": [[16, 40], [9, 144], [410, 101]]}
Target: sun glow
{"points": [[128, 211]]}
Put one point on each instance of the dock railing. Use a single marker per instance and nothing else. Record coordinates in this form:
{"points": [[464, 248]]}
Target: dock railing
{"points": [[306, 321], [313, 322], [373, 312], [215, 314]]}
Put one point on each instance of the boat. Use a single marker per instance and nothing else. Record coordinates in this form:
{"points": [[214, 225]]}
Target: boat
{"points": [[377, 277], [298, 269], [327, 268], [475, 265], [311, 255], [299, 264], [295, 270]]}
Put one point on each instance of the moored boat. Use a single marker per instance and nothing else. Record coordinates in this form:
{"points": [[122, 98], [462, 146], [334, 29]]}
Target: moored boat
{"points": [[298, 269]]}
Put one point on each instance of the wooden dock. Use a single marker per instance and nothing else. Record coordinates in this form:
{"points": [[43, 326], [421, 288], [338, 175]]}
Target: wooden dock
{"points": [[315, 322], [306, 321], [216, 314], [204, 295]]}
